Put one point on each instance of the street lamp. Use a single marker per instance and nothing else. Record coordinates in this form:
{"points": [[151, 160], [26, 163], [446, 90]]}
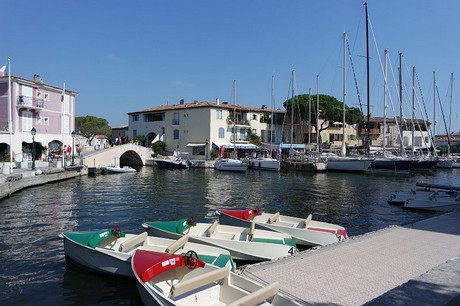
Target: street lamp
{"points": [[73, 148], [33, 132]]}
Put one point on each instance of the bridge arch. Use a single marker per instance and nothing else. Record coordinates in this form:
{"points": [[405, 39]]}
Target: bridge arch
{"points": [[122, 155]]}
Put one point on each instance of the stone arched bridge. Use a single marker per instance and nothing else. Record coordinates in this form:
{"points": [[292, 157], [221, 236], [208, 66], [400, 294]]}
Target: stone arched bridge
{"points": [[122, 155]]}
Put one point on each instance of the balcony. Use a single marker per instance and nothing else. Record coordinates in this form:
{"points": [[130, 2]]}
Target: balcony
{"points": [[240, 122], [30, 103]]}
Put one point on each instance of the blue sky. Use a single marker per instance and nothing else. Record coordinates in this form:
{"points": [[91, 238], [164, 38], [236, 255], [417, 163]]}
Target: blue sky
{"points": [[124, 56]]}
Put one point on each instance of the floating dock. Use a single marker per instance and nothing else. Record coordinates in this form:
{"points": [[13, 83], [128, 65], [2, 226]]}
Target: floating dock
{"points": [[417, 264]]}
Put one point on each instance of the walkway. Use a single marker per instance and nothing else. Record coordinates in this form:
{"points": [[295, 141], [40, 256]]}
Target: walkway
{"points": [[362, 269]]}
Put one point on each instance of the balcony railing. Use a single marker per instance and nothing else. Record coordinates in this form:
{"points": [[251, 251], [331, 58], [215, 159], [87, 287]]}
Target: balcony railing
{"points": [[30, 102], [237, 122]]}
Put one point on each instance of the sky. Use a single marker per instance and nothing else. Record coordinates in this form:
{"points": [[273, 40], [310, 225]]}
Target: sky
{"points": [[126, 56]]}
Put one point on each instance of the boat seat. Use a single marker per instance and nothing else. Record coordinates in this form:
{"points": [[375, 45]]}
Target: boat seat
{"points": [[257, 296], [212, 228], [273, 218], [173, 247], [133, 242], [198, 281], [310, 216], [251, 231]]}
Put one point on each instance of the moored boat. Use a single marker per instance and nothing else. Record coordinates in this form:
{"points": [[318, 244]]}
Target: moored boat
{"points": [[243, 243], [168, 280], [305, 232], [230, 164], [435, 203], [110, 251], [124, 169]]}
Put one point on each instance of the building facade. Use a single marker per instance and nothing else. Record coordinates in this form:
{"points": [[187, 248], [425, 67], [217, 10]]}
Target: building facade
{"points": [[202, 128], [49, 109]]}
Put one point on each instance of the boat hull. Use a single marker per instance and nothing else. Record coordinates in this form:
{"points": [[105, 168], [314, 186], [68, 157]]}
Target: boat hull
{"points": [[432, 205], [230, 165], [264, 246], [348, 164], [321, 233], [264, 164], [308, 166], [392, 166]]}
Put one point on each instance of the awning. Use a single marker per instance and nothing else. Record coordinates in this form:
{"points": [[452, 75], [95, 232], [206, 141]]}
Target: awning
{"points": [[247, 146], [294, 146], [196, 145]]}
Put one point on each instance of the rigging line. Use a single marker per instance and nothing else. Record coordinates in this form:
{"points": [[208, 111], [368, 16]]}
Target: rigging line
{"points": [[443, 117], [354, 77], [328, 59], [391, 101], [425, 114]]}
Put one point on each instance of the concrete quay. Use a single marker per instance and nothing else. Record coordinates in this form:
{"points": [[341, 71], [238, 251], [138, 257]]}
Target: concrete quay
{"points": [[24, 178], [416, 264]]}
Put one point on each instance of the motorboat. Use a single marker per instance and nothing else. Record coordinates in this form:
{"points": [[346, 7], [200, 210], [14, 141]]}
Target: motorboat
{"points": [[170, 280], [435, 203], [230, 164], [243, 243], [124, 169], [110, 251], [306, 232], [172, 162]]}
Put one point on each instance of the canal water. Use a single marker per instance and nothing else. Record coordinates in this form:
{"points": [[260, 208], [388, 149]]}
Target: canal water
{"points": [[33, 270]]}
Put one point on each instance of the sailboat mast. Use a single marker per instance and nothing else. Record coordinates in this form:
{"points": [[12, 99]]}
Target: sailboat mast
{"points": [[368, 140], [234, 120], [317, 113], [413, 111], [344, 149], [385, 87], [450, 111], [401, 144], [309, 119], [434, 115], [273, 109], [292, 109]]}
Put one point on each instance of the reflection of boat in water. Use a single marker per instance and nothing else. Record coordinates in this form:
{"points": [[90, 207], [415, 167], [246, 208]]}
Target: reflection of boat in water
{"points": [[124, 169]]}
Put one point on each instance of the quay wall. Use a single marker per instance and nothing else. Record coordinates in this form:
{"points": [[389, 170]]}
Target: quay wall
{"points": [[13, 183]]}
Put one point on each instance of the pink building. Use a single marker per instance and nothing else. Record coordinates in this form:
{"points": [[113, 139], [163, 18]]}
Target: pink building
{"points": [[33, 104]]}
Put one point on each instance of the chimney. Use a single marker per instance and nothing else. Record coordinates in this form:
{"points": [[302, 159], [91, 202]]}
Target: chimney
{"points": [[182, 101], [217, 101], [38, 79]]}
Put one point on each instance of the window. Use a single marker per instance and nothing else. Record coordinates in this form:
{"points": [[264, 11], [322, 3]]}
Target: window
{"points": [[242, 134], [254, 117], [46, 121], [175, 120], [135, 117], [47, 96], [26, 121], [219, 114], [134, 133], [221, 133], [176, 134], [155, 117]]}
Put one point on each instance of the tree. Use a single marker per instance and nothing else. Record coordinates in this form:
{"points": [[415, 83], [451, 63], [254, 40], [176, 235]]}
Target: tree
{"points": [[253, 138], [331, 110], [158, 147], [90, 126]]}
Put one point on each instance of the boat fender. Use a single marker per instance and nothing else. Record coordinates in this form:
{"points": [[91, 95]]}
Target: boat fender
{"points": [[258, 296], [251, 231], [310, 216], [198, 281], [212, 228], [177, 244], [273, 218]]}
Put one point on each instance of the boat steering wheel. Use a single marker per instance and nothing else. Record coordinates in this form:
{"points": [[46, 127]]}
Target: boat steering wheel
{"points": [[116, 231], [191, 259]]}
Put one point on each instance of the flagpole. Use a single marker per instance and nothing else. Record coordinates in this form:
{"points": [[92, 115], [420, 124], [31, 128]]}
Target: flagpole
{"points": [[10, 123]]}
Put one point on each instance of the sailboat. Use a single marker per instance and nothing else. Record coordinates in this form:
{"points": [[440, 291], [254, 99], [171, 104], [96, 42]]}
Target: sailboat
{"points": [[232, 164], [301, 161], [263, 160], [344, 163], [385, 164]]}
